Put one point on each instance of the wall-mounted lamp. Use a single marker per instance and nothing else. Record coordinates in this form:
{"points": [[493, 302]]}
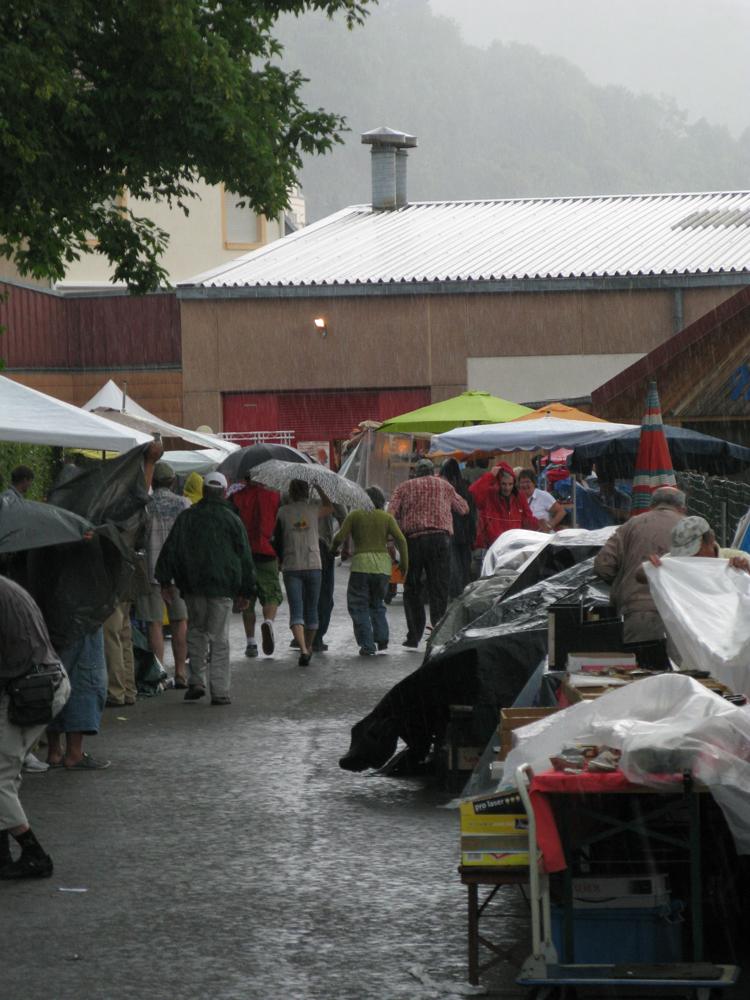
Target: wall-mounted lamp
{"points": [[321, 326]]}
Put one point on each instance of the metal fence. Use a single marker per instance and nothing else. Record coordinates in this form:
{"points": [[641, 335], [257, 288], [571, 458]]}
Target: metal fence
{"points": [[722, 502]]}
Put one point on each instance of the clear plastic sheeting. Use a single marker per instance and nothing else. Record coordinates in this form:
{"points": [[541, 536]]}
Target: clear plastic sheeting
{"points": [[512, 549], [705, 607], [663, 725]]}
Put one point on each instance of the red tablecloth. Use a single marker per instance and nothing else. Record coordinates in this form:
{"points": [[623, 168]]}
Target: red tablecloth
{"points": [[588, 783]]}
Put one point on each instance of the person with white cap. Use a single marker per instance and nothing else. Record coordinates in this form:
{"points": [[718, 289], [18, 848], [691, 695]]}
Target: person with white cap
{"points": [[694, 536], [207, 557]]}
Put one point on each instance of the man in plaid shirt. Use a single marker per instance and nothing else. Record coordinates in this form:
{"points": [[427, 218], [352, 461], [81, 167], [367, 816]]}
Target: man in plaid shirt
{"points": [[423, 508]]}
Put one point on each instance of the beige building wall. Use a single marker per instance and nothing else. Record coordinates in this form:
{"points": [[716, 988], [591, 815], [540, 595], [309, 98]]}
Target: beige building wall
{"points": [[198, 242], [377, 342]]}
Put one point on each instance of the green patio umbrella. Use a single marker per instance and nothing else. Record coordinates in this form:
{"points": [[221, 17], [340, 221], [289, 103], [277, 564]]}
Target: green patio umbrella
{"points": [[460, 411]]}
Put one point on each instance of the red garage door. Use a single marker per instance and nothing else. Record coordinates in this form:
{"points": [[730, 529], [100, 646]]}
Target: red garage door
{"points": [[322, 415]]}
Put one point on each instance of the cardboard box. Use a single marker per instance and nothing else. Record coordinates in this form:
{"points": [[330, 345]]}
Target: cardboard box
{"points": [[600, 662], [501, 814], [515, 718]]}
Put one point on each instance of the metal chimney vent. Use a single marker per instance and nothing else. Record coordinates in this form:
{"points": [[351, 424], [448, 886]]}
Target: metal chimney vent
{"points": [[388, 157]]}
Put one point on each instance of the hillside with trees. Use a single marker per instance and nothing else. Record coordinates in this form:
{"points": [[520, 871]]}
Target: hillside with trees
{"points": [[495, 122]]}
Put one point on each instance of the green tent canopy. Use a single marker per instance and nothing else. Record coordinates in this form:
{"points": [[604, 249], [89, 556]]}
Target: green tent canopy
{"points": [[460, 411]]}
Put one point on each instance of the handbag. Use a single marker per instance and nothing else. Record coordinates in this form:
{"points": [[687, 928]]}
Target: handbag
{"points": [[30, 697]]}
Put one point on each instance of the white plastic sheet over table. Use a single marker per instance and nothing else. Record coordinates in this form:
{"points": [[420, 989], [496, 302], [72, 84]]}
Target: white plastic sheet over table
{"points": [[668, 712]]}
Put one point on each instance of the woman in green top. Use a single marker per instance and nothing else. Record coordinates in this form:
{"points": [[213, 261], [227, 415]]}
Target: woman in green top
{"points": [[371, 570]]}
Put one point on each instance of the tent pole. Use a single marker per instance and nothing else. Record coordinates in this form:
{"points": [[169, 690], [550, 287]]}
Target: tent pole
{"points": [[124, 395], [575, 504]]}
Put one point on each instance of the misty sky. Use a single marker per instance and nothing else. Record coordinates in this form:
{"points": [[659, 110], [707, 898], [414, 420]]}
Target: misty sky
{"points": [[695, 51]]}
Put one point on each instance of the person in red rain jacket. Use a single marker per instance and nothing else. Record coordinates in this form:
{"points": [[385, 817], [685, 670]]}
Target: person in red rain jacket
{"points": [[500, 505]]}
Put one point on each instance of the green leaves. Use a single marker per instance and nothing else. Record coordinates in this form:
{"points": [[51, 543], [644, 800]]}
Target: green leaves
{"points": [[99, 96]]}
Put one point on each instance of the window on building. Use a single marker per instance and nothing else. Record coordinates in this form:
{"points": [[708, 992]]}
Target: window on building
{"points": [[242, 228]]}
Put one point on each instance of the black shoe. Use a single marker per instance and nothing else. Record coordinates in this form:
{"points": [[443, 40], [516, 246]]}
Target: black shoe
{"points": [[320, 647], [304, 659], [367, 652], [28, 866], [222, 699], [410, 643], [267, 638], [294, 644], [251, 650], [383, 645], [194, 692]]}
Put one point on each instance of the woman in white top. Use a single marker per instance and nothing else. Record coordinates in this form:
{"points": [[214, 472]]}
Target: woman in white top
{"points": [[543, 505]]}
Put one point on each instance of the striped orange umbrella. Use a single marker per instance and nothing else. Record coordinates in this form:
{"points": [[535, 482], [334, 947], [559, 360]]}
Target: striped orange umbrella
{"points": [[653, 463]]}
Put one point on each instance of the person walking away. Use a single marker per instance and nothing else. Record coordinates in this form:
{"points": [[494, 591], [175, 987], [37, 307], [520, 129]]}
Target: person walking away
{"points": [[193, 488], [464, 530], [163, 509], [326, 531], [258, 508], [25, 648], [370, 531], [297, 542], [548, 512], [207, 558], [500, 506], [423, 508], [21, 479], [620, 559]]}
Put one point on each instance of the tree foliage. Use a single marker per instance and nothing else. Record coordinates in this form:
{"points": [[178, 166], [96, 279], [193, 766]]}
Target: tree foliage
{"points": [[504, 121], [98, 97]]}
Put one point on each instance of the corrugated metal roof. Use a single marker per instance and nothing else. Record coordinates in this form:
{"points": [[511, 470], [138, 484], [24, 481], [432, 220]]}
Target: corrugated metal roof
{"points": [[519, 239]]}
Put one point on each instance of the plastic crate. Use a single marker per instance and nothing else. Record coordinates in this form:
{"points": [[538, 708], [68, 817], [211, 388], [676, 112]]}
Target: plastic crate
{"points": [[607, 936]]}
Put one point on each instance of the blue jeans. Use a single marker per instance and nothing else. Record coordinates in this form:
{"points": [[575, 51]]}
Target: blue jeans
{"points": [[302, 592], [86, 667], [365, 601]]}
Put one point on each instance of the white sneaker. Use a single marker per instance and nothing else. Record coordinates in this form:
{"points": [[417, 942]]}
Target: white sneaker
{"points": [[32, 763], [267, 640]]}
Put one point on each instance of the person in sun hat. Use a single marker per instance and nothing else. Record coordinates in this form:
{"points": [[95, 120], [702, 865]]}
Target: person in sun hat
{"points": [[207, 557]]}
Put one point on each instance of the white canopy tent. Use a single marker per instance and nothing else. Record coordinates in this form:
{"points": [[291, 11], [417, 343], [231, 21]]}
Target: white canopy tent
{"points": [[28, 416], [543, 434], [112, 403], [201, 460]]}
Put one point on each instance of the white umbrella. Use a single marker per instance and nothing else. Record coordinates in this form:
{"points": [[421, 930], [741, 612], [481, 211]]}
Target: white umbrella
{"points": [[526, 435], [278, 475]]}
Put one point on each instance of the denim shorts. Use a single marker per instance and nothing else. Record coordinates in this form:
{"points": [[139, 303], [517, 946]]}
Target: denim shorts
{"points": [[302, 593], [86, 667]]}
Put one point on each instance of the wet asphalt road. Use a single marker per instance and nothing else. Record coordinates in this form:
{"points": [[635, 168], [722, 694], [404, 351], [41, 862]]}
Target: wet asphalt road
{"points": [[225, 855]]}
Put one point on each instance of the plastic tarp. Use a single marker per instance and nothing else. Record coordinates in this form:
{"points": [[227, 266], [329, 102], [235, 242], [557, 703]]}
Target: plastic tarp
{"points": [[486, 665], [705, 607], [31, 417], [527, 435], [663, 725], [202, 460], [511, 550], [109, 404]]}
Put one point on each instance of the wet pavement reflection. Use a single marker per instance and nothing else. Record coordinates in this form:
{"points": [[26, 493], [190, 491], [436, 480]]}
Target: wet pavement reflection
{"points": [[225, 855]]}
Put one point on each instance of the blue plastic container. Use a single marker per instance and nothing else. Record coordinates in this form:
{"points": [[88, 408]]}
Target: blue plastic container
{"points": [[606, 936]]}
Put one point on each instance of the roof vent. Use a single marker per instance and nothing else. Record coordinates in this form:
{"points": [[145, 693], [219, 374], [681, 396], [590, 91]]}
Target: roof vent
{"points": [[388, 157]]}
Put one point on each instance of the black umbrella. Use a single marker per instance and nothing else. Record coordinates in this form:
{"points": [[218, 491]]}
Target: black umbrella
{"points": [[239, 463], [615, 454], [26, 524]]}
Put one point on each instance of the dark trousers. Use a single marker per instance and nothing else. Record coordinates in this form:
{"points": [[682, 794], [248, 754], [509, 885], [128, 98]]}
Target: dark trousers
{"points": [[460, 567], [325, 601], [365, 601], [431, 555]]}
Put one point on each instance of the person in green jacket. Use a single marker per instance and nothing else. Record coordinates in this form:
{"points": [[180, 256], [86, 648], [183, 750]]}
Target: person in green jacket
{"points": [[371, 570], [207, 557]]}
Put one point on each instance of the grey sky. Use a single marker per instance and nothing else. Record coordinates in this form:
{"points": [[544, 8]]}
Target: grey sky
{"points": [[695, 51]]}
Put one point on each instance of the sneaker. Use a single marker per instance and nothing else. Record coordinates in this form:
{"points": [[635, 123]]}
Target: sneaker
{"points": [[410, 643], [222, 699], [367, 652], [251, 650], [32, 763], [194, 692], [320, 647], [383, 645], [28, 866], [267, 639]]}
